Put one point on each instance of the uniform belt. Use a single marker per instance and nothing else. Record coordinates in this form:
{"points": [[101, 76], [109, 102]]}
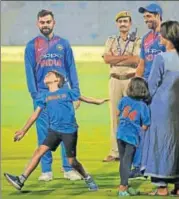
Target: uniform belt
{"points": [[122, 77]]}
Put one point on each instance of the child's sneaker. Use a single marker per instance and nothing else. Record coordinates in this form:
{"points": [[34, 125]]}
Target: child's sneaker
{"points": [[92, 186], [133, 192], [123, 193], [14, 180]]}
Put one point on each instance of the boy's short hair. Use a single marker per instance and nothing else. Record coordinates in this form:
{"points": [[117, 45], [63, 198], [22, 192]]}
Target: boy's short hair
{"points": [[138, 89]]}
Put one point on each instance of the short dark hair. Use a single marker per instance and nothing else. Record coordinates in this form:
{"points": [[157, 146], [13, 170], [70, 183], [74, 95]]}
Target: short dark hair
{"points": [[44, 13], [170, 31], [155, 13], [138, 89]]}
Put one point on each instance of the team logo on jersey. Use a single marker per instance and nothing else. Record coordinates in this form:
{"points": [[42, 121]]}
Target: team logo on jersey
{"points": [[59, 47]]}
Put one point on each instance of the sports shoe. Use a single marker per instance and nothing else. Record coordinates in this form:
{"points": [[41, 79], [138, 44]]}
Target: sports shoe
{"points": [[123, 193], [133, 192], [14, 180], [46, 176], [72, 175], [92, 186], [136, 173]]}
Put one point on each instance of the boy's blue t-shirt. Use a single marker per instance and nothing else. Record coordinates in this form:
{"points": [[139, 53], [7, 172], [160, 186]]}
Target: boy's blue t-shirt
{"points": [[133, 114], [60, 110]]}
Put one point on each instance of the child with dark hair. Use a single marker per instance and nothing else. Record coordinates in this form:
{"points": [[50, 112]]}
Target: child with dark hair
{"points": [[62, 128], [134, 118]]}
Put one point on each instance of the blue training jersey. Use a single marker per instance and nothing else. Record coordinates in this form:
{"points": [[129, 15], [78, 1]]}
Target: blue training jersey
{"points": [[60, 110], [43, 55], [150, 48], [133, 114]]}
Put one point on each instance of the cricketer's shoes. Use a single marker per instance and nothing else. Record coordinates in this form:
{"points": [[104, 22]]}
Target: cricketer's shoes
{"points": [[14, 181], [72, 175], [47, 176], [92, 186], [136, 173]]}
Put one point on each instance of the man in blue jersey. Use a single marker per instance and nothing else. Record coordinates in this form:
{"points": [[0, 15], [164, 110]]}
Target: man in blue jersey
{"points": [[58, 103], [150, 47], [42, 54]]}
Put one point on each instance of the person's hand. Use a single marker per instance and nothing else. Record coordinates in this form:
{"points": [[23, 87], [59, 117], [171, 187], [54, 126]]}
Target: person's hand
{"points": [[101, 101], [77, 104], [18, 135]]}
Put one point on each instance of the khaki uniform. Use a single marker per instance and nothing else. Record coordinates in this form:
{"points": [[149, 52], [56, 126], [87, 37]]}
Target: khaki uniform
{"points": [[119, 83]]}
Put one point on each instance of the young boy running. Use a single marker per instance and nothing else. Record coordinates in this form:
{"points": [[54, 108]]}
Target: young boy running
{"points": [[63, 127]]}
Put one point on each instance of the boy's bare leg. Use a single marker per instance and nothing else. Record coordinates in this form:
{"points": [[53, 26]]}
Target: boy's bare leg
{"points": [[18, 181], [35, 160]]}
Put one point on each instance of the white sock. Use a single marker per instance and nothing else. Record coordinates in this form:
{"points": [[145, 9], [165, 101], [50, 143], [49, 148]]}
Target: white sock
{"points": [[22, 178], [88, 177]]}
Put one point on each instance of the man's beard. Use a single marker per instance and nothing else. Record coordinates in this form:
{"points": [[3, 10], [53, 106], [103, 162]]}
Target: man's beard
{"points": [[153, 25], [47, 32]]}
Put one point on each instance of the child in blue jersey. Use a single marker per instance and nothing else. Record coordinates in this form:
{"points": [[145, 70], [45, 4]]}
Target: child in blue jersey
{"points": [[62, 127], [134, 118]]}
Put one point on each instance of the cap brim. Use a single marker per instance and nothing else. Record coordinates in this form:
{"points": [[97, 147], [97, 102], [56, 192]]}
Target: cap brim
{"points": [[142, 10]]}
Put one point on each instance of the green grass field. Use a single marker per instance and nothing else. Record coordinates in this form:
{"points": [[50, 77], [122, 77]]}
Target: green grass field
{"points": [[93, 144]]}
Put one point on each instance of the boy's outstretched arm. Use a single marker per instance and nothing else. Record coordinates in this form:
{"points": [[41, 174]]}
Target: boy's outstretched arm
{"points": [[91, 100], [20, 134]]}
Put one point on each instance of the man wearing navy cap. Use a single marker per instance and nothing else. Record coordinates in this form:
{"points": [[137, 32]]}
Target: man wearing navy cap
{"points": [[150, 42], [150, 47]]}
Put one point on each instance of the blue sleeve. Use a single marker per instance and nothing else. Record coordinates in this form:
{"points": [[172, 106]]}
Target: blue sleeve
{"points": [[71, 68], [30, 63], [156, 74], [120, 104], [142, 52], [41, 101], [145, 115], [74, 94]]}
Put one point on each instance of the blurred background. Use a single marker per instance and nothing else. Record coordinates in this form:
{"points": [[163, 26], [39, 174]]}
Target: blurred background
{"points": [[81, 22]]}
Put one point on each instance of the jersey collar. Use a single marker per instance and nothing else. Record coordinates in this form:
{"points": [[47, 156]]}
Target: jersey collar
{"points": [[41, 35]]}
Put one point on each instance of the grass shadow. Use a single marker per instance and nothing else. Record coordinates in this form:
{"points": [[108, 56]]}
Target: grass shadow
{"points": [[34, 192]]}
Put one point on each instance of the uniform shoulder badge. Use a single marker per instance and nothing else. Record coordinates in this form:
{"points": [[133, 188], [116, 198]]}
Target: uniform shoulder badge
{"points": [[59, 47]]}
